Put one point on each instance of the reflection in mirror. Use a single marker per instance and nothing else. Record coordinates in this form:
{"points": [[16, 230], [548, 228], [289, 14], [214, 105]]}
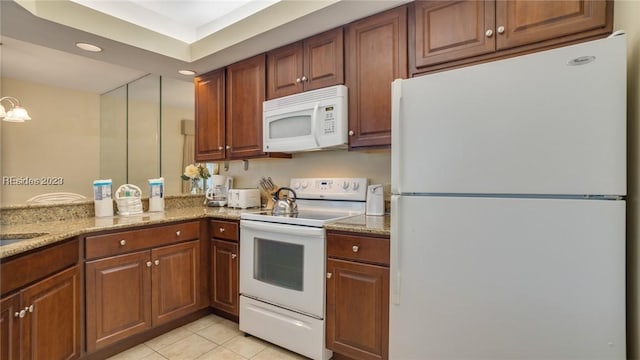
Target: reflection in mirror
{"points": [[146, 130], [143, 132], [113, 135]]}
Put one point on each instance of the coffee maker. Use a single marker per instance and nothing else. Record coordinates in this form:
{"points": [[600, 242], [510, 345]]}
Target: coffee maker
{"points": [[217, 194]]}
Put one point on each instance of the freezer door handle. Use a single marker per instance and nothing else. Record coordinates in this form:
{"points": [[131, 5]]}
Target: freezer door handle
{"points": [[396, 237]]}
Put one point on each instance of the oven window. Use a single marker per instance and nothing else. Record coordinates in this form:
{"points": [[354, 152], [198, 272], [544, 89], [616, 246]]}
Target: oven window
{"points": [[290, 127], [278, 263]]}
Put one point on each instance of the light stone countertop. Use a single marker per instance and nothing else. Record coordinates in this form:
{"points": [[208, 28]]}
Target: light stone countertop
{"points": [[64, 229]]}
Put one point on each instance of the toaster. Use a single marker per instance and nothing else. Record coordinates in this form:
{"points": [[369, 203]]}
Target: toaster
{"points": [[243, 198]]}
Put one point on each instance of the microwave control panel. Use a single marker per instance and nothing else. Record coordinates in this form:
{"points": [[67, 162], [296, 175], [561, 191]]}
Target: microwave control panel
{"points": [[327, 114]]}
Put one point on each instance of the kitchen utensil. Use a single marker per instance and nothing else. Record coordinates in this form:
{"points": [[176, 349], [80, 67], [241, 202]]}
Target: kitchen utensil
{"points": [[285, 206]]}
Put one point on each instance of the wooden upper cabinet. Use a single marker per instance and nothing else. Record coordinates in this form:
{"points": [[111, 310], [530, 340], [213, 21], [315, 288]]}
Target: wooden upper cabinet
{"points": [[449, 33], [376, 54], [310, 64], [525, 22], [210, 116], [448, 30], [245, 94]]}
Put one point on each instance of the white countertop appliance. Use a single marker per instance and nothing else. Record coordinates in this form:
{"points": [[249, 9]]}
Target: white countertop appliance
{"points": [[282, 267], [508, 227], [311, 120]]}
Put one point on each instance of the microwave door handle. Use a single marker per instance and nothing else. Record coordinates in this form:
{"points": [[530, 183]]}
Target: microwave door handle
{"points": [[314, 125]]}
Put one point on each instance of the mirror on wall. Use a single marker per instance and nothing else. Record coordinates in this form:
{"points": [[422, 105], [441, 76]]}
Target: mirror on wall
{"points": [[142, 132]]}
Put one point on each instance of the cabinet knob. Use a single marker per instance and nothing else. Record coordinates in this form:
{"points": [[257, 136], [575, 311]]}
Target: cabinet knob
{"points": [[233, 256], [148, 263], [221, 229], [329, 275], [500, 29], [228, 147], [489, 33], [123, 242], [30, 308], [304, 78], [355, 248], [20, 314], [178, 233], [298, 80], [157, 262], [351, 133], [220, 148]]}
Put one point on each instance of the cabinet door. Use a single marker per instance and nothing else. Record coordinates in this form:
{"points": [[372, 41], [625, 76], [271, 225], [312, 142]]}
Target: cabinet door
{"points": [[442, 31], [521, 22], [324, 60], [210, 116], [10, 328], [118, 298], [358, 309], [175, 281], [376, 54], [284, 71], [224, 276], [245, 94], [51, 329]]}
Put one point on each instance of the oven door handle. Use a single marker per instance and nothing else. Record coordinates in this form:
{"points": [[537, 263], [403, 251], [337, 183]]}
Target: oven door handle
{"points": [[276, 227]]}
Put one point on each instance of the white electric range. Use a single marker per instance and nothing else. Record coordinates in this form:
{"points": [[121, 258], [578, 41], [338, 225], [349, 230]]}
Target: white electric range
{"points": [[282, 267]]}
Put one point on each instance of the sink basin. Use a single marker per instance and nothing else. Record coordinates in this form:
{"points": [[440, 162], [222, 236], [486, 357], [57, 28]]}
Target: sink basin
{"points": [[6, 239]]}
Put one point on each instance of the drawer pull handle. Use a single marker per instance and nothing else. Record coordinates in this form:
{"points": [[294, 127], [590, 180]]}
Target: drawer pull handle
{"points": [[123, 242], [157, 262], [148, 263], [221, 229], [233, 256], [355, 248], [329, 275], [178, 233]]}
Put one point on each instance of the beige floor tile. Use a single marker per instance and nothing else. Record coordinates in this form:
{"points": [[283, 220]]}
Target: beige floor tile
{"points": [[220, 332], [221, 353], [135, 353], [273, 352], [168, 338], [203, 323], [246, 346], [154, 356], [187, 348]]}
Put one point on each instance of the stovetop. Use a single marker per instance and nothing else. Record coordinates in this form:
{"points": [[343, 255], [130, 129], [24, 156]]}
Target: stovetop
{"points": [[320, 201]]}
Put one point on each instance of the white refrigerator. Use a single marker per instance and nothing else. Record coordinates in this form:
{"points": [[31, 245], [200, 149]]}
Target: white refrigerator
{"points": [[508, 222]]}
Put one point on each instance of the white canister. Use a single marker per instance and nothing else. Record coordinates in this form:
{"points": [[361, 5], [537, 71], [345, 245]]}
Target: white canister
{"points": [[102, 198], [156, 195]]}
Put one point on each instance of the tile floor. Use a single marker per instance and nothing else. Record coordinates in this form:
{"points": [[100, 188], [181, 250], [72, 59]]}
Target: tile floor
{"points": [[208, 338]]}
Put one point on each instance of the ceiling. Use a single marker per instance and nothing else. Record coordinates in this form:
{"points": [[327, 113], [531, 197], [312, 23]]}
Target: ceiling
{"points": [[155, 36]]}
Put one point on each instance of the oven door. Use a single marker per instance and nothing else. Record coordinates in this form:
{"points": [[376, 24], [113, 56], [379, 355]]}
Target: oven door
{"points": [[283, 265]]}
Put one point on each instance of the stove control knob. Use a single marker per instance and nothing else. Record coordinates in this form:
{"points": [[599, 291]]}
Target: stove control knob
{"points": [[356, 186], [296, 185], [345, 185], [305, 184]]}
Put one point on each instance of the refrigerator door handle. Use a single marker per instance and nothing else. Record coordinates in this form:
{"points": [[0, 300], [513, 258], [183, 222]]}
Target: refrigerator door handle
{"points": [[395, 253], [396, 156]]}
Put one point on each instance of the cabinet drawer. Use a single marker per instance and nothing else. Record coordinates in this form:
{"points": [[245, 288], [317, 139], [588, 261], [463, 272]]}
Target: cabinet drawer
{"points": [[226, 230], [358, 247], [126, 241]]}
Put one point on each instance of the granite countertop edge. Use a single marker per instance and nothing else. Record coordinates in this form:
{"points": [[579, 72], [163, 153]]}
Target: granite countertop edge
{"points": [[65, 229]]}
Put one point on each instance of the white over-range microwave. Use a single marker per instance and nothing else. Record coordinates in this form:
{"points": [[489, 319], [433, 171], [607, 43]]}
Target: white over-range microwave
{"points": [[311, 120]]}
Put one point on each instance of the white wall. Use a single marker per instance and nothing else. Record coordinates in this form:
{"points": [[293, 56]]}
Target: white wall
{"points": [[626, 15], [61, 141]]}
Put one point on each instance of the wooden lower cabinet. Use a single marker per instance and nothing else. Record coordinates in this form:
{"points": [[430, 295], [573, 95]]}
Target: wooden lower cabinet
{"points": [[127, 294], [357, 319], [224, 292], [42, 321]]}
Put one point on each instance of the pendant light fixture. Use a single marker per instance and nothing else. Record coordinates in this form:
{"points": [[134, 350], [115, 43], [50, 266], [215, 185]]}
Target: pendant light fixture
{"points": [[15, 112]]}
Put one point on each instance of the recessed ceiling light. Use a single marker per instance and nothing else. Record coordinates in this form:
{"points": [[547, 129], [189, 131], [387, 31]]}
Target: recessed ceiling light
{"points": [[187, 72], [88, 47]]}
